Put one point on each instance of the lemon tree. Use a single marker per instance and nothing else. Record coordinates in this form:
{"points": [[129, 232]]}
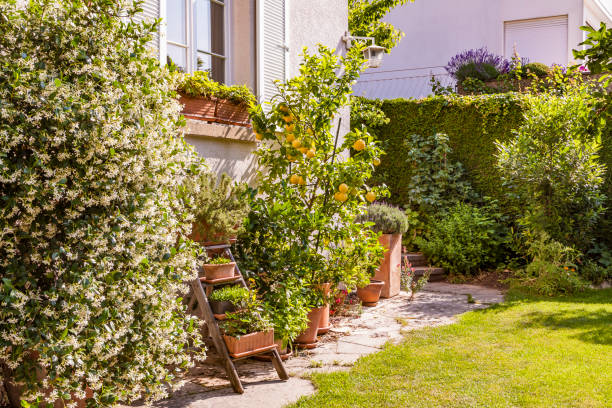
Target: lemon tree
{"points": [[313, 182]]}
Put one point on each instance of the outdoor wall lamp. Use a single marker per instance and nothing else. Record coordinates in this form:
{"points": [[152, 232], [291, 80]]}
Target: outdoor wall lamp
{"points": [[372, 53]]}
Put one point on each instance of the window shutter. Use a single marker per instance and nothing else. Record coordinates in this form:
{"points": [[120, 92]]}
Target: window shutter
{"points": [[274, 58], [151, 11], [540, 39]]}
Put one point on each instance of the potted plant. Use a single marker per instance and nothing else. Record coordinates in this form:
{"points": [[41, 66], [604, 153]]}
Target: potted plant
{"points": [[227, 299], [219, 268], [308, 338], [391, 222], [205, 99], [218, 208], [248, 331], [324, 324], [370, 294]]}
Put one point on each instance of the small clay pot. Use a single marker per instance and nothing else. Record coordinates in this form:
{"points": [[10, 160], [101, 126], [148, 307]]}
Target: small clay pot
{"points": [[324, 324], [219, 271], [370, 294], [220, 307], [308, 338]]}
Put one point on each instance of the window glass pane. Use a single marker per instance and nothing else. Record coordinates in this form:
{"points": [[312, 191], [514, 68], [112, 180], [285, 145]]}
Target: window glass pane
{"points": [[203, 63], [218, 69], [217, 28], [176, 21], [202, 25], [177, 55]]}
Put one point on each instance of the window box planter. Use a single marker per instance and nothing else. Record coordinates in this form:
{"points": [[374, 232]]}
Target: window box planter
{"points": [[220, 307], [213, 272], [249, 344], [215, 110], [370, 294]]}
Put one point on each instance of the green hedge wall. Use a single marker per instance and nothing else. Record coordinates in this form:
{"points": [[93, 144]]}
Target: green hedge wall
{"points": [[473, 124]]}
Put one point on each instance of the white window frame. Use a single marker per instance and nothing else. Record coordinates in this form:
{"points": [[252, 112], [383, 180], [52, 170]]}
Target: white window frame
{"points": [[190, 36]]}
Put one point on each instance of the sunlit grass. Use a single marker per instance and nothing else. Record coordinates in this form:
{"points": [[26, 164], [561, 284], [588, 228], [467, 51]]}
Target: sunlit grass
{"points": [[526, 352]]}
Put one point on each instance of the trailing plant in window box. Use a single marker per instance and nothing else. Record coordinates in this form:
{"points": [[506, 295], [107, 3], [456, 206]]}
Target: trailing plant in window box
{"points": [[301, 231], [93, 254]]}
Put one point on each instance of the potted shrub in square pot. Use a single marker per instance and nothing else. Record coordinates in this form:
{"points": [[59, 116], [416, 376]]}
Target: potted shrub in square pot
{"points": [[219, 268], [391, 222], [247, 331], [227, 299]]}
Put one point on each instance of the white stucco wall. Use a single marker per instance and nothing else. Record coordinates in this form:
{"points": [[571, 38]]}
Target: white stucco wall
{"points": [[436, 30]]}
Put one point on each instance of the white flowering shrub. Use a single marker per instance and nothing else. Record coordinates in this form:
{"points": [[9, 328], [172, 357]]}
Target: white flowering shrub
{"points": [[92, 210]]}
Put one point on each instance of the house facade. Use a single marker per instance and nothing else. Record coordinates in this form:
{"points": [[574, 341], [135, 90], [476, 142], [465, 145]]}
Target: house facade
{"points": [[542, 30], [242, 42]]}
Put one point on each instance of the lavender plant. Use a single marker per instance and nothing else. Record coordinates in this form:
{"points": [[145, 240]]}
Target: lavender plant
{"points": [[477, 63]]}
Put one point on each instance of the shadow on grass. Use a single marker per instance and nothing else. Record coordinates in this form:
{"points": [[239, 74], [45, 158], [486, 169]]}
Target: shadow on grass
{"points": [[595, 325]]}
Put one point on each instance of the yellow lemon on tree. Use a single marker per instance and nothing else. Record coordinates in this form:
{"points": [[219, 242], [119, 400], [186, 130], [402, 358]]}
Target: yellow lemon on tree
{"points": [[310, 153], [290, 137], [309, 131], [376, 162], [296, 143], [283, 108], [359, 145], [343, 188], [290, 128], [303, 150], [291, 158], [370, 196], [302, 181], [294, 179], [258, 136], [342, 197]]}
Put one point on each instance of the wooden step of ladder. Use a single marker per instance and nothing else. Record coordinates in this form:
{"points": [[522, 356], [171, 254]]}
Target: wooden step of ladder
{"points": [[201, 289]]}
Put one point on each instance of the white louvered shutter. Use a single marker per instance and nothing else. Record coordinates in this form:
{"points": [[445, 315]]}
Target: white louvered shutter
{"points": [[540, 39], [274, 56], [151, 11]]}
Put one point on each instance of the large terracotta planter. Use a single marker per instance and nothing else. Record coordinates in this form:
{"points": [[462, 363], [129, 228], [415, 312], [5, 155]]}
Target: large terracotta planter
{"points": [[370, 294], [308, 338], [324, 324], [390, 269], [215, 110], [249, 343], [14, 390], [221, 271]]}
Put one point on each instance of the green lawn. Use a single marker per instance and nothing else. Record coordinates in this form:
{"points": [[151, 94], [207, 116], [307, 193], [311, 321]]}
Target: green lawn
{"points": [[526, 352]]}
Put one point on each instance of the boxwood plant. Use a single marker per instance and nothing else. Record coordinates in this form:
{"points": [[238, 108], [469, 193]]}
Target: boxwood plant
{"points": [[92, 219]]}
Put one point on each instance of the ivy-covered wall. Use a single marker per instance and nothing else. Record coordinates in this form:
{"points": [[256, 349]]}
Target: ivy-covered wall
{"points": [[473, 124]]}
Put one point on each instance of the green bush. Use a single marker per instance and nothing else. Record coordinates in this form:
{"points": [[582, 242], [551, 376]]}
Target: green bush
{"points": [[464, 240], [387, 219], [536, 68], [551, 167], [481, 71], [235, 294], [552, 270], [93, 255]]}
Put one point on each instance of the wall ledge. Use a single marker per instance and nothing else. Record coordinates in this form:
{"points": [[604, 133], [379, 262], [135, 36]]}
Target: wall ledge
{"points": [[201, 128]]}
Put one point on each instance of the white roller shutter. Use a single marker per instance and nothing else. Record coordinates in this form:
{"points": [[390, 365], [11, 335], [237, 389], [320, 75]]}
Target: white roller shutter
{"points": [[540, 39], [151, 10], [273, 48]]}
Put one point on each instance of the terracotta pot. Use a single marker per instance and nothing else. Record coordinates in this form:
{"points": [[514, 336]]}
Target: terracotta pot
{"points": [[221, 271], [324, 325], [370, 294], [14, 390], [390, 268], [308, 337], [220, 307], [215, 110], [249, 343]]}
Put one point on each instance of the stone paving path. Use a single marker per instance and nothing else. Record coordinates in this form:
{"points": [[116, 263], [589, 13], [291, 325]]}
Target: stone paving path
{"points": [[350, 338]]}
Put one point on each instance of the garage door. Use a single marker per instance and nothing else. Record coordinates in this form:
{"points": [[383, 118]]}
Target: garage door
{"points": [[539, 39]]}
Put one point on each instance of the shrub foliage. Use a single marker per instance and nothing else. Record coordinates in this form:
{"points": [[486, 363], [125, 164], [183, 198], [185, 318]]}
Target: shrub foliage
{"points": [[91, 255]]}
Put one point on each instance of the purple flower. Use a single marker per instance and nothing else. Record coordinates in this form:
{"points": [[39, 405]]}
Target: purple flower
{"points": [[478, 57]]}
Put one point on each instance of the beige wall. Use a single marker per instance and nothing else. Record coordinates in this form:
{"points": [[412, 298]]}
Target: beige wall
{"points": [[309, 23]]}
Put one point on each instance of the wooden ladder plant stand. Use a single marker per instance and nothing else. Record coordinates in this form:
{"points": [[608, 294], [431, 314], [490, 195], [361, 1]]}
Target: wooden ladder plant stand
{"points": [[201, 288]]}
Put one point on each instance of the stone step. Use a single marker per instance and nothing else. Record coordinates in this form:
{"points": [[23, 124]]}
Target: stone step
{"points": [[416, 259], [436, 274]]}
